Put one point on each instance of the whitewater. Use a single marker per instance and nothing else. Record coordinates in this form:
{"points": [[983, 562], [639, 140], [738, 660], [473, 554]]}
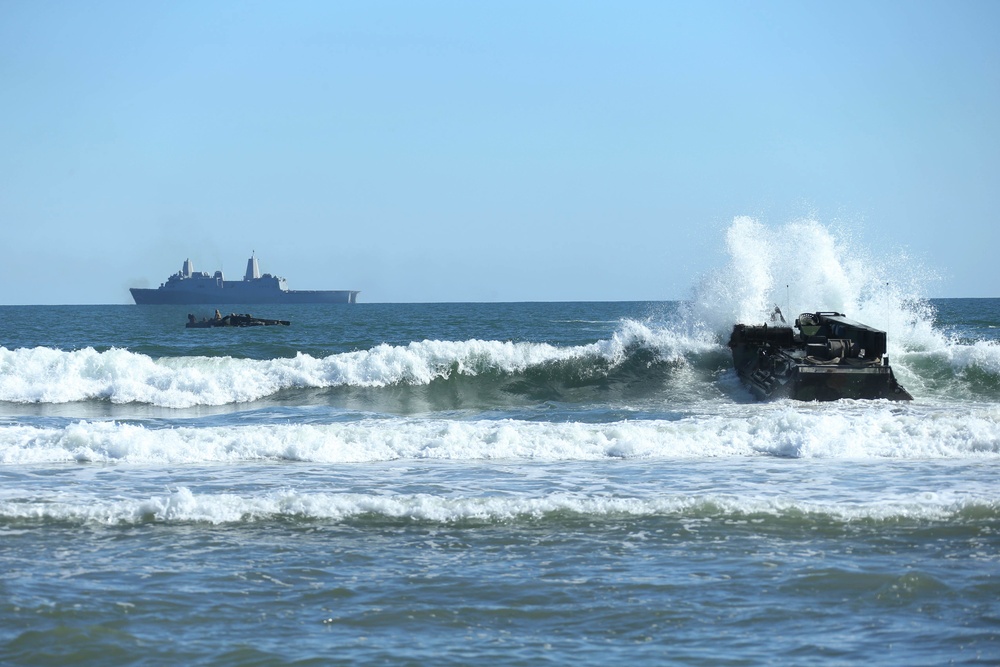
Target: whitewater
{"points": [[520, 483]]}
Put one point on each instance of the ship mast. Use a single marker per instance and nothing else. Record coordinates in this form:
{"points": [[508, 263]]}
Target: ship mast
{"points": [[253, 271]]}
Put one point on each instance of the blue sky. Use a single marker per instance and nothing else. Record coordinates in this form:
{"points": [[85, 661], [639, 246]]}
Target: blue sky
{"points": [[487, 151]]}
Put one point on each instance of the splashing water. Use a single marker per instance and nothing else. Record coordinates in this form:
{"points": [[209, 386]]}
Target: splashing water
{"points": [[802, 266], [805, 266]]}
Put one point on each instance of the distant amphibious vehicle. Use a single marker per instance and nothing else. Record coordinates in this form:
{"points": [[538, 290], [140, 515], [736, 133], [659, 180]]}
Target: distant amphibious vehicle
{"points": [[232, 320], [830, 357], [186, 287]]}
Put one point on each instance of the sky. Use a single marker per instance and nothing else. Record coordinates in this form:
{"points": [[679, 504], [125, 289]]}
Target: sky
{"points": [[487, 151]]}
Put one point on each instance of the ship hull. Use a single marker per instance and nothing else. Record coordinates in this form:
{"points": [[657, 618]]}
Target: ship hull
{"points": [[202, 297]]}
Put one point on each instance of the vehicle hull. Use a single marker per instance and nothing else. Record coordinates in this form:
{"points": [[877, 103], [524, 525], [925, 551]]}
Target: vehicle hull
{"points": [[836, 359]]}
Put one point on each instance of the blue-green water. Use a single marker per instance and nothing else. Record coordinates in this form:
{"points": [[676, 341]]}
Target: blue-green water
{"points": [[522, 484]]}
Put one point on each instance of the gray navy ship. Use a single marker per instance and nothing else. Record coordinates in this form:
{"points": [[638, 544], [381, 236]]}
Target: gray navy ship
{"points": [[188, 287]]}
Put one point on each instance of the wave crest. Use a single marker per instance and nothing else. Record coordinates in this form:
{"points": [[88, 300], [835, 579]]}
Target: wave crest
{"points": [[46, 375]]}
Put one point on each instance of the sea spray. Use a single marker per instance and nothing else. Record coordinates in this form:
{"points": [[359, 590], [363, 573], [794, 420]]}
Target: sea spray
{"points": [[802, 266]]}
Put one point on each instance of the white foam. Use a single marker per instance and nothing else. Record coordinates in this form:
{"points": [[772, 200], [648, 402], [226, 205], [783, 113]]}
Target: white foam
{"points": [[184, 505], [44, 375], [878, 430]]}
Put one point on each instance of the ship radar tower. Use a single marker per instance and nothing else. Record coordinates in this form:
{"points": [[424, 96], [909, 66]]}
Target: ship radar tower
{"points": [[253, 270]]}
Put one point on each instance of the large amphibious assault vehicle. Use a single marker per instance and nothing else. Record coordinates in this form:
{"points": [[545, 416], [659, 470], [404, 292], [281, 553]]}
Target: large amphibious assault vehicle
{"points": [[825, 357]]}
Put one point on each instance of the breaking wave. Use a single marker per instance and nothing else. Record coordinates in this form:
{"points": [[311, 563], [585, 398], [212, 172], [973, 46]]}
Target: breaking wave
{"points": [[670, 357], [185, 506], [864, 432], [46, 375]]}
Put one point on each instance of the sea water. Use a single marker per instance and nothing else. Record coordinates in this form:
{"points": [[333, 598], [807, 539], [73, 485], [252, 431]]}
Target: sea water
{"points": [[517, 484]]}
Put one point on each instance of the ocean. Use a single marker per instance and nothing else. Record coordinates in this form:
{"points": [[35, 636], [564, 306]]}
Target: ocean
{"points": [[502, 483]]}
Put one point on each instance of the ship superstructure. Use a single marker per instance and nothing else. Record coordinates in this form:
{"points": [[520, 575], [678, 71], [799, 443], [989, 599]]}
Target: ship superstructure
{"points": [[188, 286]]}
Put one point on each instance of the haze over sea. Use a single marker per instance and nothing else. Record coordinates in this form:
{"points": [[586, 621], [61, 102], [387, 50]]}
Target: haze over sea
{"points": [[513, 484]]}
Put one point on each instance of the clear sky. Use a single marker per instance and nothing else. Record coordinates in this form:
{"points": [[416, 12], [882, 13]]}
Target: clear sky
{"points": [[486, 151]]}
